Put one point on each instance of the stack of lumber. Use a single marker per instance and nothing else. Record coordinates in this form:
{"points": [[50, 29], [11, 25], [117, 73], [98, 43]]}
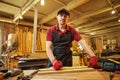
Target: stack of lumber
{"points": [[24, 37]]}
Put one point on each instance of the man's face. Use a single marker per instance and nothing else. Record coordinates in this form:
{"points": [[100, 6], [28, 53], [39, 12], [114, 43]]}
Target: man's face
{"points": [[62, 18]]}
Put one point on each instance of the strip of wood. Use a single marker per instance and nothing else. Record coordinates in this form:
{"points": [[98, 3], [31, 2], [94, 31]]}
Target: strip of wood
{"points": [[64, 70]]}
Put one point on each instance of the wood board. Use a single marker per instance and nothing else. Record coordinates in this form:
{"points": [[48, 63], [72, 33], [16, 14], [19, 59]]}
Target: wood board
{"points": [[64, 70], [68, 73], [91, 74]]}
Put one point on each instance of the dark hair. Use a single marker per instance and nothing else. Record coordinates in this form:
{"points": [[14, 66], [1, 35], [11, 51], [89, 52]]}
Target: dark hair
{"points": [[63, 10]]}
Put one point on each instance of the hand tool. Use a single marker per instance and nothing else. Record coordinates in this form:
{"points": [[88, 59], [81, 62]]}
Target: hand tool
{"points": [[27, 75], [115, 61]]}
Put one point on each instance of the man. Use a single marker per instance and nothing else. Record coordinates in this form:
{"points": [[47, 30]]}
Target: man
{"points": [[58, 42]]}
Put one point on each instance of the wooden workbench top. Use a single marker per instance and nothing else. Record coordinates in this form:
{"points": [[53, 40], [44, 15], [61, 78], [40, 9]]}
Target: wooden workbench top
{"points": [[68, 74]]}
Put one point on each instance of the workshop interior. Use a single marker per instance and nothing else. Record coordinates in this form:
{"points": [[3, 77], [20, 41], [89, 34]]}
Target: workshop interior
{"points": [[23, 28]]}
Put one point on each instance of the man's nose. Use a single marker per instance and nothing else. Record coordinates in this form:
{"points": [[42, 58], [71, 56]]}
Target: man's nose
{"points": [[63, 17]]}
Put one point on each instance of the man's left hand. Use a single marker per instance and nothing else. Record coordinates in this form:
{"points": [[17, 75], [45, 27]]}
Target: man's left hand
{"points": [[93, 62]]}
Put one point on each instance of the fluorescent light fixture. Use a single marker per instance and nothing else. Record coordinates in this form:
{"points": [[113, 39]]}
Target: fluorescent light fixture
{"points": [[42, 2]]}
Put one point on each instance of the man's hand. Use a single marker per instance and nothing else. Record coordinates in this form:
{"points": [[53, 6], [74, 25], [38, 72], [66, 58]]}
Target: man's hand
{"points": [[57, 64], [93, 62]]}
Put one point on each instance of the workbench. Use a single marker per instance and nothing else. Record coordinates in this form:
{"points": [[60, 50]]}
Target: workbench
{"points": [[68, 73], [89, 75]]}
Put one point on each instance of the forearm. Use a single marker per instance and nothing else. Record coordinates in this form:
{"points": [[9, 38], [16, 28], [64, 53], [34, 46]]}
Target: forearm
{"points": [[86, 48], [93, 60], [49, 50], [50, 54]]}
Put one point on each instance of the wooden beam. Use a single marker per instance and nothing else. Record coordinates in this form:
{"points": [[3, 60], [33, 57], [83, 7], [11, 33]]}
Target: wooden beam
{"points": [[111, 30], [110, 33], [76, 11], [102, 26], [71, 5], [60, 2], [5, 2], [20, 22], [3, 19], [25, 8], [96, 22], [89, 14], [34, 30]]}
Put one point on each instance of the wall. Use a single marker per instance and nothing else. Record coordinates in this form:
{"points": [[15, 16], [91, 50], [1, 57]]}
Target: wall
{"points": [[23, 36]]}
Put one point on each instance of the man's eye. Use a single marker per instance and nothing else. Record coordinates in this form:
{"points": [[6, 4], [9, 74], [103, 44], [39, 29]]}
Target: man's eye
{"points": [[64, 16]]}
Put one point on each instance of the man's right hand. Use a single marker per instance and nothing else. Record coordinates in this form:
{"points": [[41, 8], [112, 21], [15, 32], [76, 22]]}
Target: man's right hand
{"points": [[57, 64]]}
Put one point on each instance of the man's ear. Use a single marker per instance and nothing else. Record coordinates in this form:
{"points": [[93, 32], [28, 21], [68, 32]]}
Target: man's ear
{"points": [[68, 17]]}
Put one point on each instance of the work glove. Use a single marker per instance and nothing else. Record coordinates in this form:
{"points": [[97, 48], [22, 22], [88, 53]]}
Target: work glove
{"points": [[93, 62], [57, 64]]}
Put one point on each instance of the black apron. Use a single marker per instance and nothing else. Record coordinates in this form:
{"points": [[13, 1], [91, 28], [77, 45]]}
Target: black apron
{"points": [[61, 47]]}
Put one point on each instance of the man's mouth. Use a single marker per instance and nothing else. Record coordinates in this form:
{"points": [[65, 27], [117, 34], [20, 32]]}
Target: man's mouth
{"points": [[63, 20]]}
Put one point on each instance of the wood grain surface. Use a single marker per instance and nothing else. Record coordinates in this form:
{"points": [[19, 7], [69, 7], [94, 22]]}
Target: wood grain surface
{"points": [[68, 73]]}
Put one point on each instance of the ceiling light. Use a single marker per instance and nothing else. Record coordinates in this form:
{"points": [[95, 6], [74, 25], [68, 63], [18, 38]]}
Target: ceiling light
{"points": [[118, 20], [23, 12], [113, 12], [93, 33], [21, 17], [42, 2]]}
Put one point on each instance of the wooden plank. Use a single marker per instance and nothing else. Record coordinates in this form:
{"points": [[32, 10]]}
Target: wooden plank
{"points": [[90, 75], [64, 70], [29, 41], [24, 41], [38, 43], [77, 75], [43, 39], [68, 73]]}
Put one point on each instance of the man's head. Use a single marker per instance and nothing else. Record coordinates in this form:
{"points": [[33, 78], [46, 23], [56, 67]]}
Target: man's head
{"points": [[63, 16], [63, 11]]}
